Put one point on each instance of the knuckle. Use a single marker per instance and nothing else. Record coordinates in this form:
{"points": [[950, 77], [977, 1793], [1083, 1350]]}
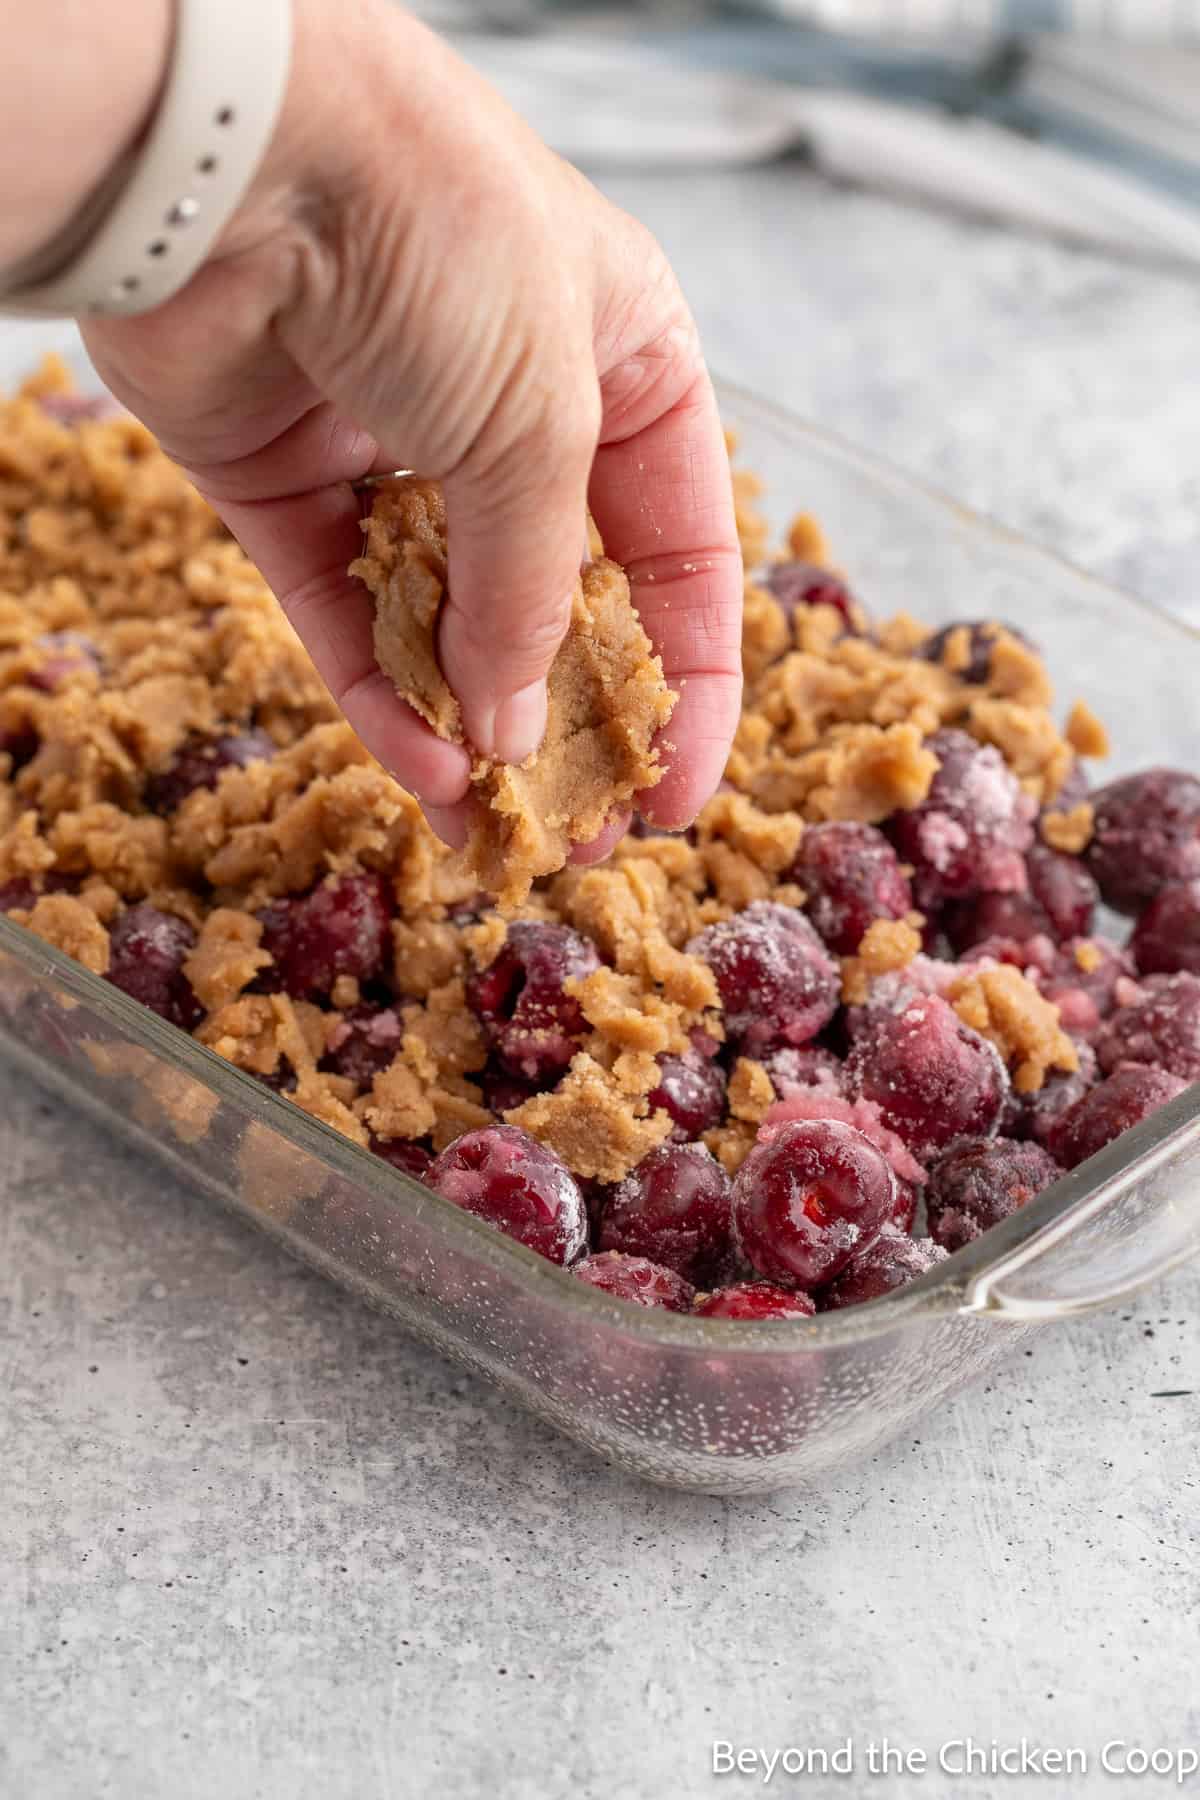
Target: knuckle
{"points": [[574, 430], [536, 456], [532, 629]]}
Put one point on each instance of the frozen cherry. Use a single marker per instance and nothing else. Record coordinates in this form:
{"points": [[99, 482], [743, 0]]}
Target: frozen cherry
{"points": [[980, 1181], [756, 1300], [636, 1278], [364, 1043], [520, 998], [825, 1102], [406, 1154], [851, 876], [1129, 1095], [339, 928], [803, 584], [281, 1079], [778, 983], [904, 1213], [810, 1066], [504, 1092], [806, 1198], [1008, 919], [1145, 836], [20, 746], [1160, 1027], [146, 953], [64, 653], [1065, 890], [1035, 1115], [1036, 957], [503, 1175], [970, 833], [932, 1077], [891, 992], [691, 1089], [891, 1262], [674, 1208], [17, 895], [980, 643], [1166, 939], [200, 763], [1090, 978], [595, 1199]]}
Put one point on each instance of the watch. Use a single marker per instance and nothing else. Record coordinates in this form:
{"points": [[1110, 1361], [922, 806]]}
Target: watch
{"points": [[147, 231]]}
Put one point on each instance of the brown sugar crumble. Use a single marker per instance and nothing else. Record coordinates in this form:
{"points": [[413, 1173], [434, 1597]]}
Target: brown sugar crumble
{"points": [[1069, 831], [886, 945], [167, 751], [1003, 1005], [607, 697]]}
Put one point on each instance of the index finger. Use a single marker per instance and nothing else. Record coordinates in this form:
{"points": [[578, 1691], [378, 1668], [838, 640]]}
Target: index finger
{"points": [[663, 501], [303, 544]]}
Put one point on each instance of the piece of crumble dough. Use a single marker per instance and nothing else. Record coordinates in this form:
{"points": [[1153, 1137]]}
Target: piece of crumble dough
{"points": [[608, 699]]}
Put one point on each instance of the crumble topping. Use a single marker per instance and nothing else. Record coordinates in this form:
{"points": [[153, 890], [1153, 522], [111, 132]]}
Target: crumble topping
{"points": [[751, 1091], [227, 957], [1003, 1005], [596, 1118], [1071, 830], [1085, 733], [607, 697], [887, 945], [132, 628], [71, 926]]}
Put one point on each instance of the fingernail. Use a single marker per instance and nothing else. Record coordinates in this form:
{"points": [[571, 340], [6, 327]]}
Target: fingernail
{"points": [[520, 723]]}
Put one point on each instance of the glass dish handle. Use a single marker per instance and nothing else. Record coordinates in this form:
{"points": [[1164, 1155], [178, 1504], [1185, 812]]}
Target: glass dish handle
{"points": [[1129, 1227]]}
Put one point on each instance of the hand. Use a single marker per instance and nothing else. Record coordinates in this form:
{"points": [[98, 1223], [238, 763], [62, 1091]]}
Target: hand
{"points": [[414, 280]]}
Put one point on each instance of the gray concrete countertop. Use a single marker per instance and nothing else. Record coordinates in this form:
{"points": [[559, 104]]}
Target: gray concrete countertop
{"points": [[258, 1544]]}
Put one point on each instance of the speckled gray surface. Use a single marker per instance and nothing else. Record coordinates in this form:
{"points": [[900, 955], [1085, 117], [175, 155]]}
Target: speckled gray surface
{"points": [[257, 1544]]}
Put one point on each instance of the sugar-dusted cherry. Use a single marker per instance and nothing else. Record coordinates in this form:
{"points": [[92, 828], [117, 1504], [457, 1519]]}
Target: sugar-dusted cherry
{"points": [[778, 983], [851, 876], [147, 951], [503, 1175], [1130, 1094], [807, 1197], [755, 1300], [520, 999], [970, 833], [890, 1262], [980, 1181], [342, 927], [636, 1279], [1145, 836], [932, 1077], [676, 1208]]}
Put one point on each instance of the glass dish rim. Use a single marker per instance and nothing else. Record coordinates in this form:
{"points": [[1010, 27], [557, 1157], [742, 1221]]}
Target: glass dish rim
{"points": [[938, 1293]]}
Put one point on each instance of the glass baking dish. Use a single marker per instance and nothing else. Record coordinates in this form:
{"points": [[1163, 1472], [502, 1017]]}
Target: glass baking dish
{"points": [[713, 1405]]}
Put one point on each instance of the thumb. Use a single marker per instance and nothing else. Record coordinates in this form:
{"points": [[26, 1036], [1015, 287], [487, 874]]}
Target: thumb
{"points": [[517, 535]]}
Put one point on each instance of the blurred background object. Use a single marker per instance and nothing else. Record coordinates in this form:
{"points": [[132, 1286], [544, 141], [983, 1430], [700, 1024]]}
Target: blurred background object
{"points": [[1073, 117]]}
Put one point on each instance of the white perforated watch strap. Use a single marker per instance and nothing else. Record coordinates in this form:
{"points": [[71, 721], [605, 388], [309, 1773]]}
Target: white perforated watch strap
{"points": [[221, 98]]}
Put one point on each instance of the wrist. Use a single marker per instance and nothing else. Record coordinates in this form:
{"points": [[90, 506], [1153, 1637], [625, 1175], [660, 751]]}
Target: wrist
{"points": [[310, 163], [343, 142], [77, 93]]}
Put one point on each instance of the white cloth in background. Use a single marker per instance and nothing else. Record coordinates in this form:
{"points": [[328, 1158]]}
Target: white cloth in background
{"points": [[1116, 163], [1145, 21]]}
